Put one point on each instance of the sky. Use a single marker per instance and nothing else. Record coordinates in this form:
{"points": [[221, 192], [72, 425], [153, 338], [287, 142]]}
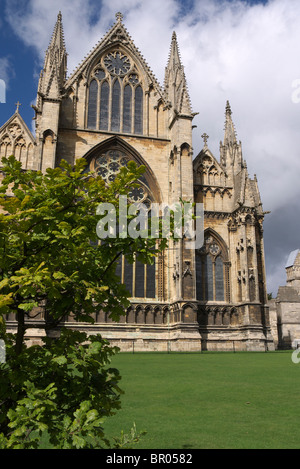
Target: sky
{"points": [[247, 52]]}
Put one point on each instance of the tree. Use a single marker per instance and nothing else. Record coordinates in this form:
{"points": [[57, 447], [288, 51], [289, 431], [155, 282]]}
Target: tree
{"points": [[50, 257]]}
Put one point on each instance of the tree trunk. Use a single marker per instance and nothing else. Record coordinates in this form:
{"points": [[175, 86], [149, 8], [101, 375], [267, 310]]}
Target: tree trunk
{"points": [[21, 331]]}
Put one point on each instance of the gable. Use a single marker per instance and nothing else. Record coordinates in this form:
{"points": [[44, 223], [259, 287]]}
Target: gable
{"points": [[15, 127], [207, 170], [117, 39], [114, 90], [16, 138]]}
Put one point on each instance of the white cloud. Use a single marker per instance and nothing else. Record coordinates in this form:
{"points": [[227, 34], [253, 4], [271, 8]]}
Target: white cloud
{"points": [[230, 50], [5, 70]]}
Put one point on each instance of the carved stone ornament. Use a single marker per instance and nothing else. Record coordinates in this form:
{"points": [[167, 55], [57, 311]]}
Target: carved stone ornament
{"points": [[15, 130], [117, 63], [187, 270]]}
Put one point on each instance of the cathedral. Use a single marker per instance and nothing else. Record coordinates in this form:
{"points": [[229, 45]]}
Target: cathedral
{"points": [[111, 110]]}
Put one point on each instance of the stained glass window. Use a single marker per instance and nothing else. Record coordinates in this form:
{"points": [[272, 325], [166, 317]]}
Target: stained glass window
{"points": [[199, 278], [120, 104], [139, 279], [138, 111], [150, 285], [115, 107], [93, 97], [210, 281], [127, 108], [134, 79], [128, 275], [100, 74], [117, 63], [219, 281], [119, 267], [104, 103]]}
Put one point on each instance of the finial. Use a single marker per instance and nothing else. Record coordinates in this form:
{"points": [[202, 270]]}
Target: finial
{"points": [[18, 104], [59, 16], [205, 138], [174, 36], [119, 16], [228, 108]]}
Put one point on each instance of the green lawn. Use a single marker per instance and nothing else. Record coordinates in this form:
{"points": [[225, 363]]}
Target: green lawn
{"points": [[209, 400]]}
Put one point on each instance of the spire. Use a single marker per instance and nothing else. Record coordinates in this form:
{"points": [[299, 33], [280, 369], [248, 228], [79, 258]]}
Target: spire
{"points": [[230, 148], [230, 134], [174, 58], [55, 66], [57, 40], [175, 81]]}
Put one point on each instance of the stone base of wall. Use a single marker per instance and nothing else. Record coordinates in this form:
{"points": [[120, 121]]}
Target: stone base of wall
{"points": [[180, 337], [243, 339], [147, 338]]}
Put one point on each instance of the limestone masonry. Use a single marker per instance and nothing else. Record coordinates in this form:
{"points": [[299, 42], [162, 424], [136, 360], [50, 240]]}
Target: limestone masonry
{"points": [[111, 110]]}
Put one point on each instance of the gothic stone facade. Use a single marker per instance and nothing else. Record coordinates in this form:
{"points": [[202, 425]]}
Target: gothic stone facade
{"points": [[285, 308], [112, 109]]}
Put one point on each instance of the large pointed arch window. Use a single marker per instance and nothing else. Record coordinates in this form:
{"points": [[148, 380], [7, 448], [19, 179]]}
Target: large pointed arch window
{"points": [[212, 274], [139, 279], [116, 96]]}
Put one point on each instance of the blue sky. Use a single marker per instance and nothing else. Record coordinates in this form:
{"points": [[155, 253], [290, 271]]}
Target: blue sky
{"points": [[16, 72], [21, 73], [244, 51]]}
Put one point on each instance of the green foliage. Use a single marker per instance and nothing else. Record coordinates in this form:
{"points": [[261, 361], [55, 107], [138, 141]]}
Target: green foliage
{"points": [[47, 244], [50, 258], [65, 388], [126, 440]]}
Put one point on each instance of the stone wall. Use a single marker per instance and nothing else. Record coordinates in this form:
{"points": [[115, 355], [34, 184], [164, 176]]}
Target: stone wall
{"points": [[285, 309]]}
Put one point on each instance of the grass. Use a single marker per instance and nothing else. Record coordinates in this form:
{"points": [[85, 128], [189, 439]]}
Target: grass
{"points": [[210, 400]]}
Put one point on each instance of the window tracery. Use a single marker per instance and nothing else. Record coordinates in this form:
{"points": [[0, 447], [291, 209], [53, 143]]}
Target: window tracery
{"points": [[108, 164], [212, 271], [138, 278], [115, 95], [13, 140], [117, 63]]}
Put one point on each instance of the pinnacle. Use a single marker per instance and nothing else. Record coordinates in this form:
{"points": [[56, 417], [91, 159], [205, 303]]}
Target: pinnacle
{"points": [[55, 64], [230, 134], [228, 109], [58, 34], [174, 55], [174, 73], [119, 17]]}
